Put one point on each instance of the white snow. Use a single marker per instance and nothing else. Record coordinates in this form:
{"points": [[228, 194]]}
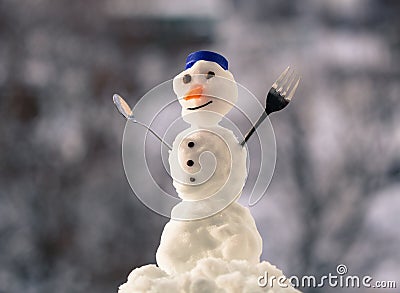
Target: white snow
{"points": [[219, 254], [210, 275], [230, 234]]}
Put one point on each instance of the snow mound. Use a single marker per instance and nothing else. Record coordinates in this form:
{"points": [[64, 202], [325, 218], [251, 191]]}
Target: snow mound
{"points": [[210, 275], [230, 235]]}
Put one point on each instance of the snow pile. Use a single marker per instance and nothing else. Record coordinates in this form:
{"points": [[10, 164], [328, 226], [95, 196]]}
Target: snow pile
{"points": [[217, 254], [210, 275], [230, 234]]}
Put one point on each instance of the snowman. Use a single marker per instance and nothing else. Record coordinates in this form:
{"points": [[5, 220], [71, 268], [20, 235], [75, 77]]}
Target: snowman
{"points": [[208, 165], [208, 168]]}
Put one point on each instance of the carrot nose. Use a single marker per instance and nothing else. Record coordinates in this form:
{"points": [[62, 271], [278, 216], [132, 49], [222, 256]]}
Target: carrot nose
{"points": [[194, 93]]}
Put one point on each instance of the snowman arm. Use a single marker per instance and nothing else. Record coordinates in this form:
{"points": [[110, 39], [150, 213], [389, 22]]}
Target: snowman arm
{"points": [[253, 129], [126, 111], [274, 103], [278, 97], [154, 133]]}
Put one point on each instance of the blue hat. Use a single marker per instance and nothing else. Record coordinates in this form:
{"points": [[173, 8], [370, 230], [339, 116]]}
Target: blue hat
{"points": [[207, 56]]}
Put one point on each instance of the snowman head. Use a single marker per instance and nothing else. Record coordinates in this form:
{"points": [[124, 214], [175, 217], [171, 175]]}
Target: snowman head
{"points": [[206, 89]]}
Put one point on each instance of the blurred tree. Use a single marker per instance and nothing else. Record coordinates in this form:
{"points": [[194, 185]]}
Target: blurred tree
{"points": [[67, 223]]}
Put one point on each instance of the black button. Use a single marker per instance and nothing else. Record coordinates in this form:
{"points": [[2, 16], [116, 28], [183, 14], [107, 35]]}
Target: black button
{"points": [[191, 144], [192, 179], [190, 163]]}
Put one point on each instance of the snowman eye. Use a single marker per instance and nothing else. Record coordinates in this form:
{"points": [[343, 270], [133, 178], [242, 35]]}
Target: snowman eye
{"points": [[187, 78], [210, 74]]}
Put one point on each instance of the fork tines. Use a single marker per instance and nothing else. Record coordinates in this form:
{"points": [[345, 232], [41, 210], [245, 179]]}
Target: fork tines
{"points": [[283, 85]]}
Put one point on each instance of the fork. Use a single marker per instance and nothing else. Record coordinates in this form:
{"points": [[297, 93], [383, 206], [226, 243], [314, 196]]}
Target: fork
{"points": [[278, 97], [126, 111]]}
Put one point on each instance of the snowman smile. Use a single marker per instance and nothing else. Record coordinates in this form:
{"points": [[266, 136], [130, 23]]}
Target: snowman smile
{"points": [[201, 106]]}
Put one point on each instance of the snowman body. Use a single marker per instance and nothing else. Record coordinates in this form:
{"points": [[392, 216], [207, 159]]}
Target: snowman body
{"points": [[229, 232], [207, 162], [208, 168]]}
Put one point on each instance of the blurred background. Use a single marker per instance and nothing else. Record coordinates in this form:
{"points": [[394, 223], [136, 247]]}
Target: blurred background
{"points": [[69, 221]]}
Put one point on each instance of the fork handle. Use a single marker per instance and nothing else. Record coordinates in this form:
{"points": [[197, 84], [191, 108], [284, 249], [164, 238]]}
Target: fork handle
{"points": [[251, 131]]}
